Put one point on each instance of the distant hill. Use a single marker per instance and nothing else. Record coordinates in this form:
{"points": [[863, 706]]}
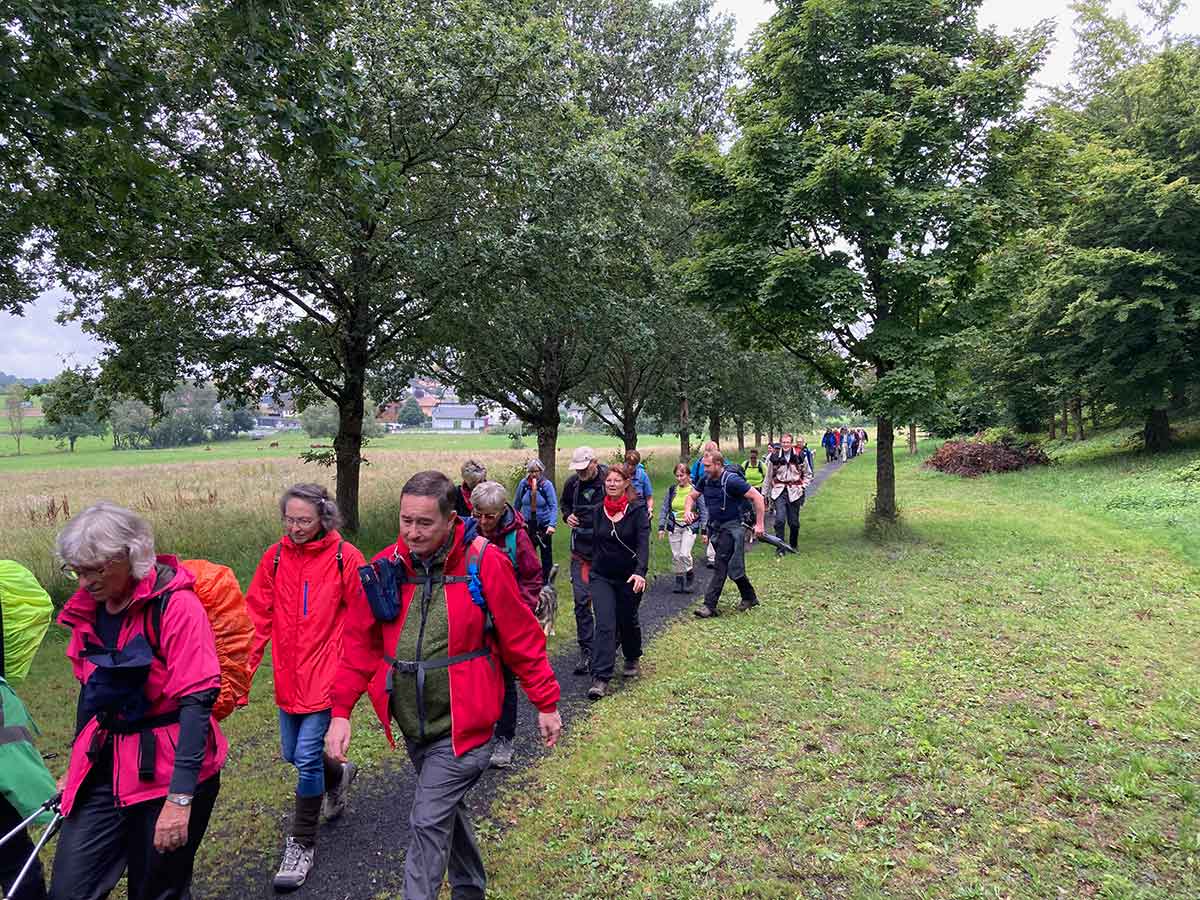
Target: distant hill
{"points": [[6, 380]]}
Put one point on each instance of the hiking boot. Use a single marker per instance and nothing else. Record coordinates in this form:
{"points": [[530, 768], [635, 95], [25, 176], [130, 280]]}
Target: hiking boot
{"points": [[631, 670], [709, 564], [679, 585], [747, 604], [297, 863], [584, 665], [502, 753], [334, 803], [598, 689], [705, 612], [691, 577]]}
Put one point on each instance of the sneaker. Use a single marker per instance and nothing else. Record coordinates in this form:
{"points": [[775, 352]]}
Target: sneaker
{"points": [[297, 863], [598, 689], [747, 604], [584, 665], [705, 612], [502, 753], [631, 670], [334, 803]]}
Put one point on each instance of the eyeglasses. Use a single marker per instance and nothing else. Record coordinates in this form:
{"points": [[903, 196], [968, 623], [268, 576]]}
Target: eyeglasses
{"points": [[78, 573], [301, 521]]}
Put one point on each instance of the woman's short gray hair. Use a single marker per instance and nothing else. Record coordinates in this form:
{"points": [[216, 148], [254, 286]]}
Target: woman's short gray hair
{"points": [[488, 496], [473, 472], [534, 465], [104, 532], [318, 496]]}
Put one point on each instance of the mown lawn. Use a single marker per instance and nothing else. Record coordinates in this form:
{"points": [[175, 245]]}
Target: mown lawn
{"points": [[998, 702]]}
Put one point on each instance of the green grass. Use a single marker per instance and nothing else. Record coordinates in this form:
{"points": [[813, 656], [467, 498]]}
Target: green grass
{"points": [[93, 452], [998, 702]]}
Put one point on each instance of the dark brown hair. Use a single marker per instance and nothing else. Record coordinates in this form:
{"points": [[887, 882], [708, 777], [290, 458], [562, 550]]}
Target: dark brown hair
{"points": [[432, 484]]}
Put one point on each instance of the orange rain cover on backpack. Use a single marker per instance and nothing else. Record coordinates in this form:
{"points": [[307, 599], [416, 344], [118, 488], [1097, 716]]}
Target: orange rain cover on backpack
{"points": [[219, 592]]}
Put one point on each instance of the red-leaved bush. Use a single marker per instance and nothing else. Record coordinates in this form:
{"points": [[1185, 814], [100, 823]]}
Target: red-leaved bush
{"points": [[973, 458]]}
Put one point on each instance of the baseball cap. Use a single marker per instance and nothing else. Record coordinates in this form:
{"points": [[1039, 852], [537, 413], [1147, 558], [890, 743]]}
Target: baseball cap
{"points": [[582, 458]]}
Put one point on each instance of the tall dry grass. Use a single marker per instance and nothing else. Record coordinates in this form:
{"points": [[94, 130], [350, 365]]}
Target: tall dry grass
{"points": [[221, 510]]}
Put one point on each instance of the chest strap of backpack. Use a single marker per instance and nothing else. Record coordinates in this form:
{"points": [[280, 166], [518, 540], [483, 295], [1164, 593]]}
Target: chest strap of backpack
{"points": [[279, 551], [418, 667]]}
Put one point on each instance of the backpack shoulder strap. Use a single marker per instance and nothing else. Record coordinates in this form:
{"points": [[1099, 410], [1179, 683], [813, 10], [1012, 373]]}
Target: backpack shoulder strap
{"points": [[279, 550], [510, 544], [152, 623], [340, 562]]}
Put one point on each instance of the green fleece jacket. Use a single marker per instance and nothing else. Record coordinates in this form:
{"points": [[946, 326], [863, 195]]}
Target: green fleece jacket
{"points": [[25, 782]]}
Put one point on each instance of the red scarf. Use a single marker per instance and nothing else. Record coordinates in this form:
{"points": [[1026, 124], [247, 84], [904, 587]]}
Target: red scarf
{"points": [[615, 506]]}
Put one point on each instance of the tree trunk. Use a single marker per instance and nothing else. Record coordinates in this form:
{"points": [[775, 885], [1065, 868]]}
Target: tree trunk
{"points": [[757, 435], [1157, 433], [547, 440], [1066, 423], [347, 447], [71, 443], [741, 434], [885, 471], [685, 433], [770, 434], [912, 439], [1077, 412], [714, 427], [1053, 427], [630, 437]]}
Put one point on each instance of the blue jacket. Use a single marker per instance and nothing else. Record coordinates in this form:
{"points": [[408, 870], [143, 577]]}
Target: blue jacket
{"points": [[641, 483], [547, 507]]}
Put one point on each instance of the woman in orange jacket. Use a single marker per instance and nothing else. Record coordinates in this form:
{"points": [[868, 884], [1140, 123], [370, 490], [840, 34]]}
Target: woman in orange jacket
{"points": [[298, 599]]}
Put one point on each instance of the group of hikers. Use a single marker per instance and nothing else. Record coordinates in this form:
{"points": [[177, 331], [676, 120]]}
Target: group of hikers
{"points": [[843, 443], [438, 629]]}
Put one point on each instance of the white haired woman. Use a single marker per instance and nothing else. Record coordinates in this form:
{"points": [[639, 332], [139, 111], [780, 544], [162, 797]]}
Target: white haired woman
{"points": [[473, 472], [298, 599], [145, 764], [537, 503]]}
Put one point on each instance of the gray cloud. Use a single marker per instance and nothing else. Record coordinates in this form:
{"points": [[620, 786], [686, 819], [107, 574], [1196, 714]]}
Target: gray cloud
{"points": [[36, 346]]}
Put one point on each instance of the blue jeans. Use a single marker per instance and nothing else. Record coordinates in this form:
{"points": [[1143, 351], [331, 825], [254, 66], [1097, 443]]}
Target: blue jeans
{"points": [[302, 740]]}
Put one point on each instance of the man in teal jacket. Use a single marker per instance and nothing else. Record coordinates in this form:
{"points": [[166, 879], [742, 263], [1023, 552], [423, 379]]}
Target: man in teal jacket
{"points": [[25, 783]]}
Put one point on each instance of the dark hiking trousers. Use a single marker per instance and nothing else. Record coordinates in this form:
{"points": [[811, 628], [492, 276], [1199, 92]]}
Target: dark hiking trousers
{"points": [[442, 837], [788, 512], [545, 544], [14, 855], [507, 726], [585, 623], [99, 841], [724, 539], [616, 605]]}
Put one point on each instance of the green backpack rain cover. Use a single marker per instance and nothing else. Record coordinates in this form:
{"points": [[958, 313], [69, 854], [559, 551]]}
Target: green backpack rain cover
{"points": [[25, 612]]}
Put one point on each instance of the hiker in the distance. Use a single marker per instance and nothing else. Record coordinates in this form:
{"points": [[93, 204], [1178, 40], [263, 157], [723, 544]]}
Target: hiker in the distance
{"points": [[641, 481], [145, 764], [580, 495], [25, 783], [790, 475], [537, 503], [472, 473], [829, 442], [298, 600], [423, 646], [681, 536], [696, 473], [620, 559], [504, 527], [724, 494]]}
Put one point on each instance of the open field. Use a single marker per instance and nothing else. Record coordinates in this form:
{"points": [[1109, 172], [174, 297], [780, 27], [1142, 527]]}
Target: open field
{"points": [[998, 702]]}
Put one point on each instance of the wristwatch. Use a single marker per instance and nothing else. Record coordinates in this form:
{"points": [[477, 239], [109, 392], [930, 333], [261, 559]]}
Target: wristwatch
{"points": [[180, 799]]}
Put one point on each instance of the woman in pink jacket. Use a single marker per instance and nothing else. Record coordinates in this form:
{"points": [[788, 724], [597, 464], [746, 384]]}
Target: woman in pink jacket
{"points": [[145, 765], [298, 601]]}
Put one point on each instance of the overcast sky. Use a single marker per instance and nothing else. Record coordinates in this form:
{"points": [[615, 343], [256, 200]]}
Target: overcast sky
{"points": [[35, 346]]}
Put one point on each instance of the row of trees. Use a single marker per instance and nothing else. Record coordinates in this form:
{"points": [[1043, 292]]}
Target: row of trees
{"points": [[328, 197]]}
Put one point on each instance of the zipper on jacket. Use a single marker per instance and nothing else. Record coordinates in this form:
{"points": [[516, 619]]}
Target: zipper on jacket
{"points": [[426, 598], [306, 598]]}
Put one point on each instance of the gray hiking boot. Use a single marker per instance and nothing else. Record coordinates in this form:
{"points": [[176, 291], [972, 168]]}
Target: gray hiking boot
{"points": [[334, 803], [297, 863], [598, 689], [502, 753]]}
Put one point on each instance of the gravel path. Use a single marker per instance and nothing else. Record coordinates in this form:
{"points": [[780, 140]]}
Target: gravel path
{"points": [[362, 854]]}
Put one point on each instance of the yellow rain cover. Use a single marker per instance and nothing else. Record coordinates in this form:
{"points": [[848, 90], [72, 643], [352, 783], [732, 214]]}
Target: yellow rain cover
{"points": [[26, 610]]}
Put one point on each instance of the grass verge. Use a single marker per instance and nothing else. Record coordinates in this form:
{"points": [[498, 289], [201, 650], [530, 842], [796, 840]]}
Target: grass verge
{"points": [[996, 702]]}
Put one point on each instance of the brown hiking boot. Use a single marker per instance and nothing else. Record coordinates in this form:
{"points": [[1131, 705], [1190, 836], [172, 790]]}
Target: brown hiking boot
{"points": [[705, 612], [598, 689], [747, 604], [631, 670]]}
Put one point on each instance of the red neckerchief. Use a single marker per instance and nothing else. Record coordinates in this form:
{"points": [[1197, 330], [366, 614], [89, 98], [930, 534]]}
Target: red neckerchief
{"points": [[466, 495], [615, 506]]}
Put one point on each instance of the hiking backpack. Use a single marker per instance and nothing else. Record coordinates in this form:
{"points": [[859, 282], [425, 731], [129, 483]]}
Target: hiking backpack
{"points": [[223, 602]]}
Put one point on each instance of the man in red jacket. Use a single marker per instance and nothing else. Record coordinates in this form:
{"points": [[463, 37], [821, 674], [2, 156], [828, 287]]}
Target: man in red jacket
{"points": [[433, 672]]}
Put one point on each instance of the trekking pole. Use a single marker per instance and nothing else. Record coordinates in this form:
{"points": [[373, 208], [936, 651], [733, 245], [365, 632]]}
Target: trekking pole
{"points": [[50, 804], [50, 831]]}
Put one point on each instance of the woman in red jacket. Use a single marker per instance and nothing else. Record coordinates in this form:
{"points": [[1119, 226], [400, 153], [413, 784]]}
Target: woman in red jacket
{"points": [[298, 598]]}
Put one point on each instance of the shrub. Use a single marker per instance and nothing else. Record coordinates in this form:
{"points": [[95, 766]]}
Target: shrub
{"points": [[973, 458]]}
